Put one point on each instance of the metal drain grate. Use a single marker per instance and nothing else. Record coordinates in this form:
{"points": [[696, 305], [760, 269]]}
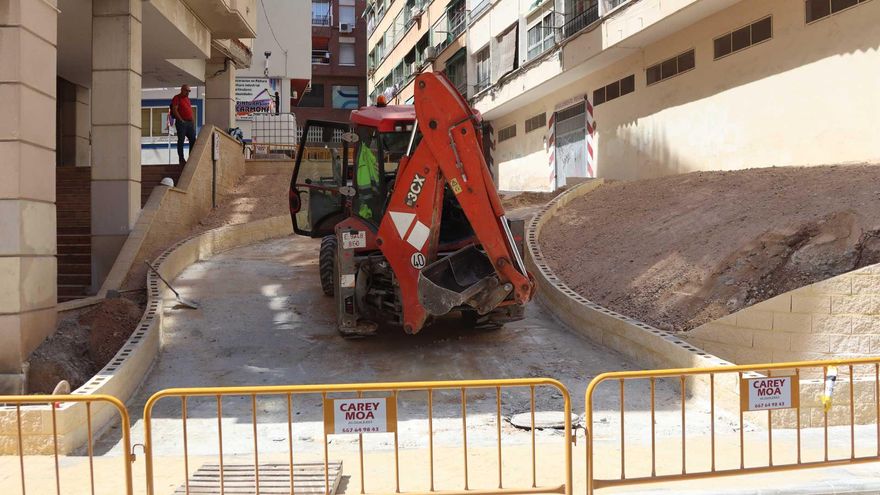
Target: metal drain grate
{"points": [[240, 479]]}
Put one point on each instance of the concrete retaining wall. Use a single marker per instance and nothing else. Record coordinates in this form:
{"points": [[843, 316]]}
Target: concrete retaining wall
{"points": [[123, 374], [649, 347], [836, 318]]}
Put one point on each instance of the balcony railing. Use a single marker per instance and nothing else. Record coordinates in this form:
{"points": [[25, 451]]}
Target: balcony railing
{"points": [[449, 27], [479, 9], [320, 19], [580, 20], [481, 85]]}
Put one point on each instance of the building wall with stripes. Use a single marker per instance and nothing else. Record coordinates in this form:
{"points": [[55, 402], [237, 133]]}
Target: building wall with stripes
{"points": [[806, 96]]}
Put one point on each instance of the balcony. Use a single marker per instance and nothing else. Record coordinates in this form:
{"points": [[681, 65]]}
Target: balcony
{"points": [[226, 19], [321, 19], [481, 7], [481, 85], [449, 27], [581, 20]]}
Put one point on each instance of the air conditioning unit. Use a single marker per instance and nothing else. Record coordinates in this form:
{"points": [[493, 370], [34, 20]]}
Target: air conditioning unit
{"points": [[346, 27], [416, 12], [430, 54], [413, 67]]}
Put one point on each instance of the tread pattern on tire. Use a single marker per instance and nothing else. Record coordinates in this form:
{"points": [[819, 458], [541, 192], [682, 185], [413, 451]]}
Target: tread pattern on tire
{"points": [[327, 263]]}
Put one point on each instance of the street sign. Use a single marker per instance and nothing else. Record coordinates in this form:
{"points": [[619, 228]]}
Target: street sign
{"points": [[772, 392], [366, 415]]}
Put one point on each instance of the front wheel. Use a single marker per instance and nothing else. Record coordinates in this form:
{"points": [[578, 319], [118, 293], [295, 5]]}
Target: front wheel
{"points": [[327, 264]]}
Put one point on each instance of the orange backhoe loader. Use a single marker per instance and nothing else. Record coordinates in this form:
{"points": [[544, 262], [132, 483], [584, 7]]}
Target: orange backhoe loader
{"points": [[410, 221]]}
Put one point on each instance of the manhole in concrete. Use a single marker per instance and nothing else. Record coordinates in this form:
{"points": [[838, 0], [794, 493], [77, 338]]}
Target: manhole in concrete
{"points": [[543, 420]]}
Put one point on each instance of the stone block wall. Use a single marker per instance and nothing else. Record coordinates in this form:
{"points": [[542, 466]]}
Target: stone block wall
{"points": [[836, 318], [172, 212]]}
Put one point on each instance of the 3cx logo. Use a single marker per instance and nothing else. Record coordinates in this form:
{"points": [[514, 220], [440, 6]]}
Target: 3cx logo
{"points": [[415, 189]]}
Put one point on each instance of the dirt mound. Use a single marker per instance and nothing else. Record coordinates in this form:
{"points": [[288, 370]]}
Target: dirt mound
{"points": [[511, 201], [679, 251], [83, 344], [110, 323]]}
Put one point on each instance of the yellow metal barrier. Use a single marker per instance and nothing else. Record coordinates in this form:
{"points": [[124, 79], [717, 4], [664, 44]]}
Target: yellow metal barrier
{"points": [[41, 439], [311, 152], [731, 384], [331, 393]]}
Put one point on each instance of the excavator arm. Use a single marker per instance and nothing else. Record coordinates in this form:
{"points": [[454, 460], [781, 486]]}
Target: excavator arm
{"points": [[449, 153]]}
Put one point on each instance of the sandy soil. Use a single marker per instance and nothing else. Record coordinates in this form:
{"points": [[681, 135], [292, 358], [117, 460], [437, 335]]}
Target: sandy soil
{"points": [[677, 252], [512, 201], [84, 342], [256, 197]]}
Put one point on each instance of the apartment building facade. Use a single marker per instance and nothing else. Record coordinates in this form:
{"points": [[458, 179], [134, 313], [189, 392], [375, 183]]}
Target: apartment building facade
{"points": [[630, 89], [338, 84], [71, 76], [406, 37]]}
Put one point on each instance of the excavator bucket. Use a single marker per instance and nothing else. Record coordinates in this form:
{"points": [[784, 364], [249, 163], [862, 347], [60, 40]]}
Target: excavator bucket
{"points": [[465, 277]]}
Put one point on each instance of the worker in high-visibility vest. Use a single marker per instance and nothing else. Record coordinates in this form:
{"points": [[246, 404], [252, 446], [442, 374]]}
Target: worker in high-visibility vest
{"points": [[367, 180]]}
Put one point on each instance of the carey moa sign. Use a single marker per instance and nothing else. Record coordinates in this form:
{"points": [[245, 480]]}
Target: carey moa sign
{"points": [[367, 415], [772, 392]]}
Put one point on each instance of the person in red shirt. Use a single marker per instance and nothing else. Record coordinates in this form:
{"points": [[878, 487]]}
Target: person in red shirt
{"points": [[184, 122]]}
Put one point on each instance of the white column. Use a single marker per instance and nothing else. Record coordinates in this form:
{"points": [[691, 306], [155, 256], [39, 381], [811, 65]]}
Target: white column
{"points": [[220, 93], [116, 128], [28, 270]]}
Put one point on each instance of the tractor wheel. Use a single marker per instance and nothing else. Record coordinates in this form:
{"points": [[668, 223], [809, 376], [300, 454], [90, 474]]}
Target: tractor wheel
{"points": [[327, 264]]}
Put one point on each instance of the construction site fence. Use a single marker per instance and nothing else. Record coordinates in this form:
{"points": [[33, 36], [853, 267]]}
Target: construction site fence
{"points": [[411, 407], [831, 416], [32, 424], [256, 149], [765, 440]]}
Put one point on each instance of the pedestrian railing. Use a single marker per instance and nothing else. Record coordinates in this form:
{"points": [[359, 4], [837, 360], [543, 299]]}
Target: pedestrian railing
{"points": [[790, 416], [449, 436], [382, 411], [32, 425]]}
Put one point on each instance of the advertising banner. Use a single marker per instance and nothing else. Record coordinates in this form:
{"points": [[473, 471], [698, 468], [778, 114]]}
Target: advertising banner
{"points": [[254, 95]]}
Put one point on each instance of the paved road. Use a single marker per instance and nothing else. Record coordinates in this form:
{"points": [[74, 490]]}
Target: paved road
{"points": [[264, 321]]}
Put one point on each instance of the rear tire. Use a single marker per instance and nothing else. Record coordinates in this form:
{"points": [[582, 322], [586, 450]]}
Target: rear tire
{"points": [[327, 264]]}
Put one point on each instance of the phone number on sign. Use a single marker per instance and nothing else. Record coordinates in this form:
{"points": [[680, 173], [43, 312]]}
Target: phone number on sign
{"points": [[365, 429], [770, 405]]}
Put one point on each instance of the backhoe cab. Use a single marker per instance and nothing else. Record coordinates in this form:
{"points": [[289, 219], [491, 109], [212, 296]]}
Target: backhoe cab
{"points": [[411, 225]]}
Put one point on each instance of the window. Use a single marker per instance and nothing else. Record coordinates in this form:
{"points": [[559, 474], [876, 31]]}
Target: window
{"points": [[456, 71], [540, 36], [671, 67], [506, 57], [456, 15], [507, 133], [819, 9], [346, 97], [482, 66], [614, 90], [320, 50], [346, 53], [320, 13], [744, 37], [537, 122], [154, 121], [314, 96], [346, 15]]}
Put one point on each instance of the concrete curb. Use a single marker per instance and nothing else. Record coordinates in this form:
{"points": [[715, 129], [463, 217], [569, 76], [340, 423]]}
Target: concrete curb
{"points": [[122, 376], [647, 346]]}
